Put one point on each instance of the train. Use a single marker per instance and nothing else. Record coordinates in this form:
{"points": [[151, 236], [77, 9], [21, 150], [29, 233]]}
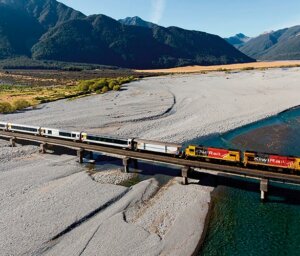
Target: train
{"points": [[104, 140], [271, 162]]}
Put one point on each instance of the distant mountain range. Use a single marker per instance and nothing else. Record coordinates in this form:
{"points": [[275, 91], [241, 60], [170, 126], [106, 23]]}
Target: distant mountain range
{"points": [[238, 40], [49, 30], [283, 44]]}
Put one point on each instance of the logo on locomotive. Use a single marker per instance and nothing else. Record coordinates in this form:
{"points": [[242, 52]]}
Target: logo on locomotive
{"points": [[201, 152], [261, 159]]}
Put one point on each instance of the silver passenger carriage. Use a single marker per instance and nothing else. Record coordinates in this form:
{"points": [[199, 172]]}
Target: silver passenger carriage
{"points": [[106, 140], [158, 147], [3, 126], [50, 132], [23, 128]]}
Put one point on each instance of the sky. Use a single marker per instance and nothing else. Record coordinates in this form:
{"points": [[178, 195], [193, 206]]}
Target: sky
{"points": [[222, 17]]}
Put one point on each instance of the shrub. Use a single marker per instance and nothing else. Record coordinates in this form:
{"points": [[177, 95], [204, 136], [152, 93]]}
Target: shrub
{"points": [[5, 108], [21, 104], [124, 80], [84, 86], [104, 89], [117, 88], [102, 85], [98, 85], [111, 84]]}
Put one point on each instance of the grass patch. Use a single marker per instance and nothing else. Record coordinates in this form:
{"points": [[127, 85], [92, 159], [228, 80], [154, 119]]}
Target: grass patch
{"points": [[16, 97]]}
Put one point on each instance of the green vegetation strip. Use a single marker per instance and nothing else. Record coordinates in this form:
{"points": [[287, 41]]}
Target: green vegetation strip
{"points": [[16, 97]]}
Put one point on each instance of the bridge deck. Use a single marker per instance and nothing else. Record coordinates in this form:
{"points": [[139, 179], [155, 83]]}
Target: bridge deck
{"points": [[146, 156]]}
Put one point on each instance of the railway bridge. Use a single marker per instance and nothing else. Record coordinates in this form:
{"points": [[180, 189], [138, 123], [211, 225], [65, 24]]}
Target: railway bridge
{"points": [[187, 166]]}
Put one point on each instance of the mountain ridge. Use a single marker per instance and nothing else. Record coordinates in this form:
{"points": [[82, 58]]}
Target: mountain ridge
{"points": [[137, 21], [64, 34], [282, 44], [48, 13], [238, 40]]}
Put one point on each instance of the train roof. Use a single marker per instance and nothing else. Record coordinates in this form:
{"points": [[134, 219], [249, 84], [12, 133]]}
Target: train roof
{"points": [[107, 136], [230, 149], [158, 143]]}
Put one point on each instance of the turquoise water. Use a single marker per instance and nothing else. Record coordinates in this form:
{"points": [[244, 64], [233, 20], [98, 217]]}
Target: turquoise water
{"points": [[277, 134], [242, 225]]}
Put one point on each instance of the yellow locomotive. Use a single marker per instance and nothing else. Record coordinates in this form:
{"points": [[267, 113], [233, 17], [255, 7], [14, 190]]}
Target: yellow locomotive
{"points": [[271, 160], [248, 158], [213, 153]]}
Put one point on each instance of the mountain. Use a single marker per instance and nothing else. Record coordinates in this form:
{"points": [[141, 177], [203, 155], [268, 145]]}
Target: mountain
{"points": [[48, 13], [102, 39], [22, 23], [238, 40], [137, 21], [53, 31], [13, 40], [282, 44]]}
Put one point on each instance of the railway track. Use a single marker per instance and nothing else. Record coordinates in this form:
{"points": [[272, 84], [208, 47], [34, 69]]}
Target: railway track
{"points": [[145, 156]]}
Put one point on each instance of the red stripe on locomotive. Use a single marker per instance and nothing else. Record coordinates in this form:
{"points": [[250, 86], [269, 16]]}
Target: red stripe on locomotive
{"points": [[281, 161], [217, 153]]}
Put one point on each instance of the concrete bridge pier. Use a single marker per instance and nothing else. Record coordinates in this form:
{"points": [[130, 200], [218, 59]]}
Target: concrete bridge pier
{"points": [[126, 162], [264, 184], [80, 154], [184, 173], [12, 142], [43, 148]]}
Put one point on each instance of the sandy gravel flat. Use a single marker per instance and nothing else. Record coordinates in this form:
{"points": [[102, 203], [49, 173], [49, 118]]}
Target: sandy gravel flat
{"points": [[175, 108], [41, 195], [51, 206], [255, 65]]}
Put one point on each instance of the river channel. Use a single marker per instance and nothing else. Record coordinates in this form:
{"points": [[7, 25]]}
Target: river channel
{"points": [[239, 223]]}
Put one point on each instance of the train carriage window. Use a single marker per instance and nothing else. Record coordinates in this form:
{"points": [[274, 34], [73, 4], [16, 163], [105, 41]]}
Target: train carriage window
{"points": [[20, 128], [107, 140], [49, 132], [65, 134], [2, 125], [73, 135]]}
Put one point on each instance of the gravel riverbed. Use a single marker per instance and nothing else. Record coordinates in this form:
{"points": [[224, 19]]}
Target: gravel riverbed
{"points": [[51, 206]]}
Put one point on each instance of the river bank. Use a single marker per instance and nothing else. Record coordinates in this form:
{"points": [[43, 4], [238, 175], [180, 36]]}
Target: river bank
{"points": [[143, 219]]}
